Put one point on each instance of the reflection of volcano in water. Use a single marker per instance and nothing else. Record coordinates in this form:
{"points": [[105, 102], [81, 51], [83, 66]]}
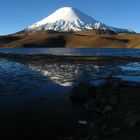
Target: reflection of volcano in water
{"points": [[66, 74], [22, 77]]}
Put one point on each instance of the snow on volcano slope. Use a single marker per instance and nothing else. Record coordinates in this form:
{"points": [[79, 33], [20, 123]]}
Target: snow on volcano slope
{"points": [[70, 19]]}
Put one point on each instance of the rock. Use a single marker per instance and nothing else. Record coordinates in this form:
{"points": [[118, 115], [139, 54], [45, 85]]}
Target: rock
{"points": [[90, 105], [132, 121], [82, 91], [82, 122], [107, 109], [111, 82], [116, 129], [113, 100], [111, 107]]}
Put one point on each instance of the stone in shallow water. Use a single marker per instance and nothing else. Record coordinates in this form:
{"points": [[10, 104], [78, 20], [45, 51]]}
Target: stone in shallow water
{"points": [[82, 91], [82, 122]]}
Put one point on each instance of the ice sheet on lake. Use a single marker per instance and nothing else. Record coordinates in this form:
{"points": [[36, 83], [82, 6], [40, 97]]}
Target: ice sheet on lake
{"points": [[131, 67], [66, 74], [129, 78]]}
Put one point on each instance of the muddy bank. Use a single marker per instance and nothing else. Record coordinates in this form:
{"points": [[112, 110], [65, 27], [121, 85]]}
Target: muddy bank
{"points": [[113, 110]]}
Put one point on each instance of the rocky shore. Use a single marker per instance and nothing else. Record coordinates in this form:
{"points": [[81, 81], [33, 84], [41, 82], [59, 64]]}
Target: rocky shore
{"points": [[113, 110]]}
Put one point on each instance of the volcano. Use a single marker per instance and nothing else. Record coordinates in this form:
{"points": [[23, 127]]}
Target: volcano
{"points": [[71, 19]]}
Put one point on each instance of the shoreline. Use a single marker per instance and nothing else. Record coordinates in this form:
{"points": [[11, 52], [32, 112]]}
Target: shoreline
{"points": [[112, 110], [68, 58]]}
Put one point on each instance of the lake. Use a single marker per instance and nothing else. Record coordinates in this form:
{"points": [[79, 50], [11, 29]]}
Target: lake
{"points": [[118, 52], [34, 93]]}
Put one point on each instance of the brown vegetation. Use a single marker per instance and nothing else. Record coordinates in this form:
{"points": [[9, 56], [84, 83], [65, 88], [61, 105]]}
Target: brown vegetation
{"points": [[84, 39]]}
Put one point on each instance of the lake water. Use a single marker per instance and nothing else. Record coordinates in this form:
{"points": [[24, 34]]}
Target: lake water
{"points": [[73, 52], [34, 94]]}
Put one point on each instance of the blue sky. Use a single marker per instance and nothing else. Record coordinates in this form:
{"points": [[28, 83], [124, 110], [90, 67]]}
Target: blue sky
{"points": [[16, 15]]}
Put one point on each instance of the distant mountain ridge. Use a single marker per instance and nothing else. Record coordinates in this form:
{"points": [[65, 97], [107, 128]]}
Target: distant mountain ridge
{"points": [[71, 19]]}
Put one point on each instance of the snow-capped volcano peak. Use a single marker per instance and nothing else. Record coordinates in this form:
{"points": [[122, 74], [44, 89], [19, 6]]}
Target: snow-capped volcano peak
{"points": [[70, 19], [68, 14], [66, 19]]}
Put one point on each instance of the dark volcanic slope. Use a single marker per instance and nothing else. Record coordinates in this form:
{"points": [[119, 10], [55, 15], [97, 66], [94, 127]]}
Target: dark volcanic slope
{"points": [[84, 39]]}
